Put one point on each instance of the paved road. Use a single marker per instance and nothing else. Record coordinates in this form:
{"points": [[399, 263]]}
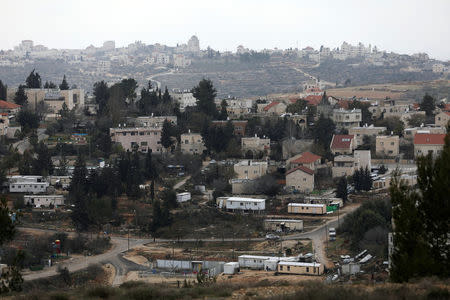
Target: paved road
{"points": [[24, 144], [123, 266]]}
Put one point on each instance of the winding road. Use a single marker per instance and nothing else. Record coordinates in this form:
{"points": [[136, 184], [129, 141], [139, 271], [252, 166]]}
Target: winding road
{"points": [[123, 266]]}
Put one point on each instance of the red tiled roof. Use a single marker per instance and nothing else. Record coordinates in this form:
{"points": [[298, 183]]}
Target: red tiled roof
{"points": [[313, 99], [429, 139], [341, 141], [343, 103], [3, 114], [416, 106], [447, 112], [446, 107], [301, 168], [306, 158], [266, 108], [8, 105]]}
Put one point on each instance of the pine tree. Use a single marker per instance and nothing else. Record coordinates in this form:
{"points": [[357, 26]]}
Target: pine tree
{"points": [[64, 85], [33, 80], [166, 134], [341, 191], [20, 97], [101, 93], [49, 85], [78, 195], [152, 190], [427, 105], [205, 93], [166, 96], [3, 91], [223, 110]]}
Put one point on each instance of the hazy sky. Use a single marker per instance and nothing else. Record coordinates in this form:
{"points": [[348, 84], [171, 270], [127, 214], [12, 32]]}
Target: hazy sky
{"points": [[404, 26]]}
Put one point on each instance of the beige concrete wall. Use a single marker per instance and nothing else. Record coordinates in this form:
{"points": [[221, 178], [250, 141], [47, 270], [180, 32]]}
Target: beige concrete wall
{"points": [[442, 119], [192, 143], [425, 149], [387, 145], [300, 181]]}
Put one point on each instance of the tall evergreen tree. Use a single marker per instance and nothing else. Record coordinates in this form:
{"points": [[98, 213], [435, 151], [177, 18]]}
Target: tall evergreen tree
{"points": [[421, 222], [49, 85], [64, 85], [323, 131], [341, 191], [21, 97], [223, 110], [166, 96], [205, 93], [166, 134], [428, 105], [101, 93], [3, 91], [33, 80], [78, 195]]}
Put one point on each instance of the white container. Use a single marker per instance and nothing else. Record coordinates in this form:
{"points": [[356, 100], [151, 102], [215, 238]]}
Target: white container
{"points": [[231, 268], [183, 197]]}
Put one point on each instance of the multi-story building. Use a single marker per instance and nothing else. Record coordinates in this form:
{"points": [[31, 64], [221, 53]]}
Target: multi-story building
{"points": [[139, 138], [342, 144], [185, 99], [300, 179], [361, 132], [387, 145], [442, 118], [274, 108], [255, 144], [409, 133], [55, 98], [248, 169], [237, 107], [425, 144], [346, 118], [362, 159], [343, 165], [154, 121], [192, 143]]}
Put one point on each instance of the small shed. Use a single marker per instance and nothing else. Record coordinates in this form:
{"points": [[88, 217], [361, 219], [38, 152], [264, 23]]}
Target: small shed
{"points": [[351, 268], [183, 197], [271, 264], [283, 225], [231, 268]]}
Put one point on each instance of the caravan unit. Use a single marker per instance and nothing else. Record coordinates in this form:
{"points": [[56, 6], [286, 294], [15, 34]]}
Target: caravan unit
{"points": [[283, 225], [44, 200], [253, 261], [245, 204], [300, 268], [306, 208]]}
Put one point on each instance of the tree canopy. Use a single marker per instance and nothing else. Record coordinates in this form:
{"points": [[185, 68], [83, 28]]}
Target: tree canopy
{"points": [[33, 80], [21, 97], [64, 85], [205, 93]]}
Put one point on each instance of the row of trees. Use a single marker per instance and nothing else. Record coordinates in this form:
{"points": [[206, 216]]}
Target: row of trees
{"points": [[421, 222]]}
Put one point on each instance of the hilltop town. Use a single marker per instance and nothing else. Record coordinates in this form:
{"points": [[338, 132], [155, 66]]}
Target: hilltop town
{"points": [[176, 170]]}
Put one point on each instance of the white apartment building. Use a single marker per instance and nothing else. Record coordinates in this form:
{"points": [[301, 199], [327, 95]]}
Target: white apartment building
{"points": [[154, 121]]}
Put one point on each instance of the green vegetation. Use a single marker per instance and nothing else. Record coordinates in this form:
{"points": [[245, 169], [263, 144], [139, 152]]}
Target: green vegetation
{"points": [[368, 226], [421, 220]]}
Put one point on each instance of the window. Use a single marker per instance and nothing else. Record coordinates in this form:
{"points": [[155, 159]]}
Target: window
{"points": [[156, 133], [281, 268], [186, 141], [133, 133], [307, 269], [288, 268], [242, 204], [304, 179], [392, 143], [314, 269], [143, 143], [141, 133]]}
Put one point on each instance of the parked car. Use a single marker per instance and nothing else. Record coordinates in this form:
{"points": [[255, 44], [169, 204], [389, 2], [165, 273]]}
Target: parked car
{"points": [[272, 236]]}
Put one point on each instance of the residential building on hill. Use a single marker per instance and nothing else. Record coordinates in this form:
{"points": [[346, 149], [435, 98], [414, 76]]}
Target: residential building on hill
{"points": [[425, 144], [255, 144], [361, 132], [306, 159], [140, 138], [387, 145], [248, 169], [342, 144], [442, 118], [192, 143], [347, 118], [300, 179]]}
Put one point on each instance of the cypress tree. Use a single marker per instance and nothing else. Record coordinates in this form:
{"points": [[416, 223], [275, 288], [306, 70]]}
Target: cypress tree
{"points": [[64, 85]]}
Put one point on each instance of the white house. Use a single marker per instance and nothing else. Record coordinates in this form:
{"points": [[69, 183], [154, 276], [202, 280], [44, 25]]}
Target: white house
{"points": [[44, 200]]}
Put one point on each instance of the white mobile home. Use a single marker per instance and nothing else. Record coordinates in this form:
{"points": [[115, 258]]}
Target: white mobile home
{"points": [[27, 184], [300, 268], [283, 225], [245, 204], [253, 261], [306, 208], [183, 197], [44, 200]]}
